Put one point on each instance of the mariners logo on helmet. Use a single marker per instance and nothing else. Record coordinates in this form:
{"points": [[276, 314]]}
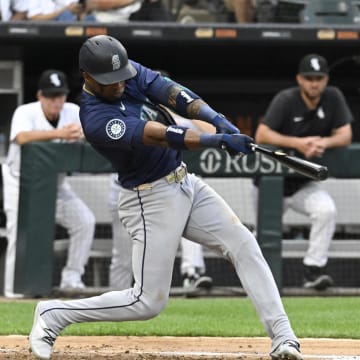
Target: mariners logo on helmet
{"points": [[116, 62], [115, 129], [105, 59]]}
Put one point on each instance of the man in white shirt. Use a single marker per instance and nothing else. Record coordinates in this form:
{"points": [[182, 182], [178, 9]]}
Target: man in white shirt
{"points": [[50, 118]]}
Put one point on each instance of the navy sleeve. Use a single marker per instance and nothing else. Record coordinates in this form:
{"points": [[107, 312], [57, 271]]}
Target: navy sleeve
{"points": [[156, 87], [116, 132]]}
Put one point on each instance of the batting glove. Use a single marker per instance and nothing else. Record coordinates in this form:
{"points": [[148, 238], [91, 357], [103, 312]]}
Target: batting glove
{"points": [[224, 126], [236, 143]]}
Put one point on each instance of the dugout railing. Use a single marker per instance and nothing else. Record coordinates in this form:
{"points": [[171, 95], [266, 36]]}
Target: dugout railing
{"points": [[41, 162]]}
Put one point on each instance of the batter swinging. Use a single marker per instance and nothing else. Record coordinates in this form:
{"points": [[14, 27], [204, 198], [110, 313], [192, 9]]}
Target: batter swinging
{"points": [[159, 200]]}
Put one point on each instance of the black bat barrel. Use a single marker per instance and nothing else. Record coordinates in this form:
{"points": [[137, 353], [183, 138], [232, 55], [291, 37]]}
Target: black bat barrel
{"points": [[304, 167]]}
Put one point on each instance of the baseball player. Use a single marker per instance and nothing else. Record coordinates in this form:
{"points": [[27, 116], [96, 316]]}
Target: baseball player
{"points": [[50, 118], [159, 200], [310, 118]]}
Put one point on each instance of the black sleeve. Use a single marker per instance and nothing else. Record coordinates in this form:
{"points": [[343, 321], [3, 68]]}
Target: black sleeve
{"points": [[342, 112], [277, 112]]}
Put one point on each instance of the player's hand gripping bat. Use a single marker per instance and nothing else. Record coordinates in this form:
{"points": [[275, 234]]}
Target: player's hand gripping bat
{"points": [[304, 167]]}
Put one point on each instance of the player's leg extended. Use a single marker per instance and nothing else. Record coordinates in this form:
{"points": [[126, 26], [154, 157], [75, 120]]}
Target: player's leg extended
{"points": [[221, 230], [155, 219]]}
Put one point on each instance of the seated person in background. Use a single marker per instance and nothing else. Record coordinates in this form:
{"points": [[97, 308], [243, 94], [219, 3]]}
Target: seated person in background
{"points": [[152, 10], [56, 10], [112, 10], [247, 11], [50, 118], [310, 118], [242, 9], [128, 10], [11, 10]]}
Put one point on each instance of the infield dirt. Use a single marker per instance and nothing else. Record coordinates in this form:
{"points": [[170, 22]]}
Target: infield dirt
{"points": [[184, 348]]}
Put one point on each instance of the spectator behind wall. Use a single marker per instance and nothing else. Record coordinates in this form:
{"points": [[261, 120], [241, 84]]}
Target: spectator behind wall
{"points": [[50, 118], [247, 11], [121, 11], [11, 10], [310, 118], [57, 10], [242, 10]]}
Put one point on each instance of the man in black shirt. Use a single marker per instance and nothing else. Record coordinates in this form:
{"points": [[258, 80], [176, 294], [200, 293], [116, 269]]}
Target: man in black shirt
{"points": [[309, 118]]}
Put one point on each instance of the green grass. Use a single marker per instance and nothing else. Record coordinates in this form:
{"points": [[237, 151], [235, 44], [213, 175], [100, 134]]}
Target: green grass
{"points": [[333, 317]]}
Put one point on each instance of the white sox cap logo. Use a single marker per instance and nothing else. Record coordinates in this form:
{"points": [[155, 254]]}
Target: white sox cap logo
{"points": [[314, 62], [55, 80], [115, 129]]}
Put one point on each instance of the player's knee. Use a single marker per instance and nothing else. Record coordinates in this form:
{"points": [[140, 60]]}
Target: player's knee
{"points": [[153, 307], [328, 213], [91, 220], [87, 222]]}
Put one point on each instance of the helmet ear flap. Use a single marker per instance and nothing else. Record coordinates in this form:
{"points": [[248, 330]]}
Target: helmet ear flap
{"points": [[106, 60]]}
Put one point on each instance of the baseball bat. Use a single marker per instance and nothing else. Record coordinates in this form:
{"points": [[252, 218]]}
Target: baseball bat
{"points": [[304, 167]]}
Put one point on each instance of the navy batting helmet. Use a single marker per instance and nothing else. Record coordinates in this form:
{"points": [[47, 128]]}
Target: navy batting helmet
{"points": [[105, 59]]}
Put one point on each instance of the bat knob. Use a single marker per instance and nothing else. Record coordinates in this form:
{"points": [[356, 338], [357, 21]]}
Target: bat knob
{"points": [[323, 173]]}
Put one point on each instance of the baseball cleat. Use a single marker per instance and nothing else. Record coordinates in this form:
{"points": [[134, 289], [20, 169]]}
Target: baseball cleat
{"points": [[71, 280], [41, 338], [288, 350], [197, 281], [204, 282], [315, 278], [321, 282]]}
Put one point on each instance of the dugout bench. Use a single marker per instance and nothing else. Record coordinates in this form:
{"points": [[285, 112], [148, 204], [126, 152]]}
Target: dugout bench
{"points": [[41, 162]]}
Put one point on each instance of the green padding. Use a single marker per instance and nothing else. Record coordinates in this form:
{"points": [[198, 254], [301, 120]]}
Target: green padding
{"points": [[33, 271], [92, 161], [269, 225], [40, 164]]}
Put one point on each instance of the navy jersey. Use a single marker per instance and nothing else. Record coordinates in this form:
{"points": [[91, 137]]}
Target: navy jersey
{"points": [[114, 129]]}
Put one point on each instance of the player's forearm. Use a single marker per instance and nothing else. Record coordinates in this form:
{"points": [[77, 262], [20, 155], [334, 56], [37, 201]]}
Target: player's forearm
{"points": [[50, 16], [36, 135], [156, 134], [182, 138], [340, 137], [107, 4], [264, 135], [336, 141], [19, 15], [45, 17]]}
